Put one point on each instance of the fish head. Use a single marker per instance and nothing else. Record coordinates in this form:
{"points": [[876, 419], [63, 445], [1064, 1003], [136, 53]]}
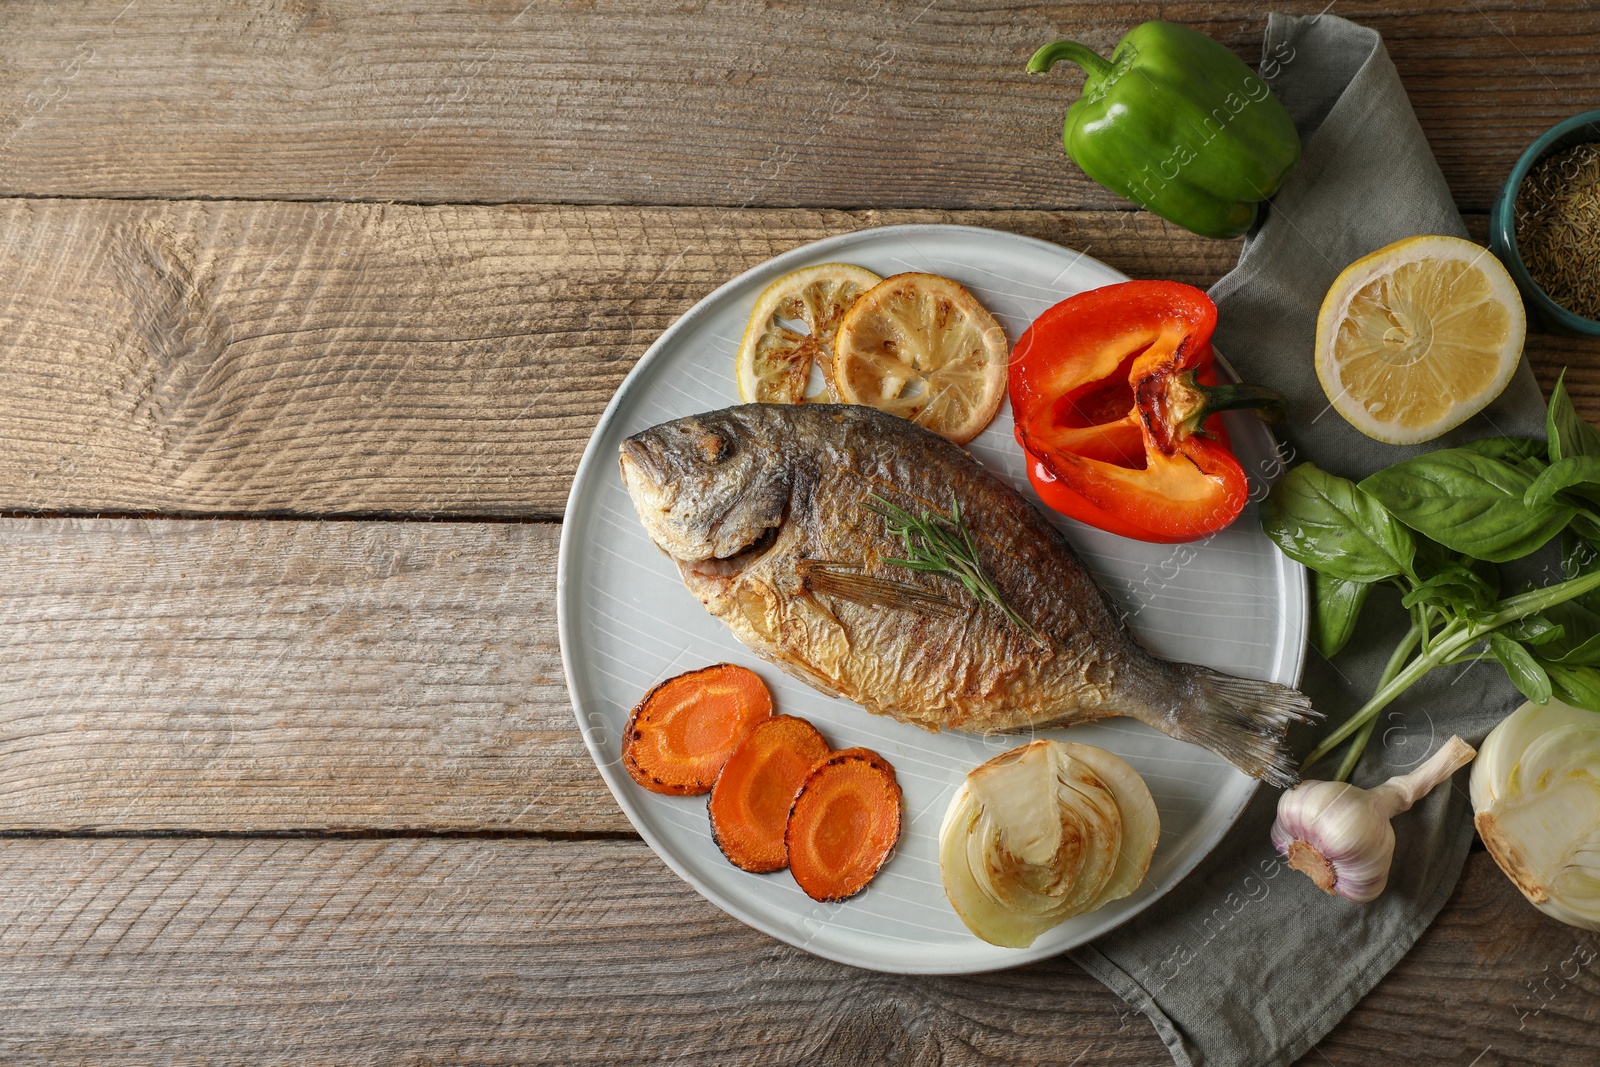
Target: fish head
{"points": [[708, 487]]}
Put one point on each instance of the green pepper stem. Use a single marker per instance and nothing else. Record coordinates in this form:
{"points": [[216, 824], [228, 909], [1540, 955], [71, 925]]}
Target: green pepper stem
{"points": [[1194, 403], [1267, 403], [1093, 63]]}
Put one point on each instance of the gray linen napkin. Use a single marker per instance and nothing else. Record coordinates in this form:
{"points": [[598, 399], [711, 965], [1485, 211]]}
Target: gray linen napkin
{"points": [[1246, 962]]}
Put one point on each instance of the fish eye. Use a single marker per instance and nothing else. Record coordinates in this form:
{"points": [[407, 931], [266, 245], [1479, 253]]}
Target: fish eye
{"points": [[713, 447]]}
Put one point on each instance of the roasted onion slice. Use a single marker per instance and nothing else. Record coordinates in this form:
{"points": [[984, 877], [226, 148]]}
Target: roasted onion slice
{"points": [[1042, 833]]}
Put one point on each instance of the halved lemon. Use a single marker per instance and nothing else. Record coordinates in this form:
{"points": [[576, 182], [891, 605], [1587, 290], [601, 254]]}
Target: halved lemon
{"points": [[1418, 337], [775, 359], [922, 347]]}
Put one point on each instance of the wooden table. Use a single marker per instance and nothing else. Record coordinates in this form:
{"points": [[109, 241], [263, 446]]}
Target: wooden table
{"points": [[308, 312]]}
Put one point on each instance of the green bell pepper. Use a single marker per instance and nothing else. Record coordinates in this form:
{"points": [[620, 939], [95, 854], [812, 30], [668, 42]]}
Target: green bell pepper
{"points": [[1176, 122]]}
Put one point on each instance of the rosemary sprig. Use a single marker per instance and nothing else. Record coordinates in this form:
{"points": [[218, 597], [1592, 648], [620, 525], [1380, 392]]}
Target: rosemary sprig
{"points": [[942, 545]]}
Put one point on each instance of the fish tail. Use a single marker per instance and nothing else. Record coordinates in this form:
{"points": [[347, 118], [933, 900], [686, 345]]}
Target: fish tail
{"points": [[1243, 720]]}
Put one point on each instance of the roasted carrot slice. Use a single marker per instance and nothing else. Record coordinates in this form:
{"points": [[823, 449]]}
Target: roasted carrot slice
{"points": [[843, 824], [750, 803], [681, 733]]}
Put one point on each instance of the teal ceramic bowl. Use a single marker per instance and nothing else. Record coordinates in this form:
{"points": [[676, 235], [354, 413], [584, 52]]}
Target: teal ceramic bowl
{"points": [[1542, 310]]}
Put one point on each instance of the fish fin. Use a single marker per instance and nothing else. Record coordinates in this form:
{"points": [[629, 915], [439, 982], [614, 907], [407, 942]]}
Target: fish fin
{"points": [[1245, 721], [845, 581]]}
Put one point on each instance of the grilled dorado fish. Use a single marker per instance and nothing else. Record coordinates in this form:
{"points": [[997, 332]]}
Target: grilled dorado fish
{"points": [[765, 509]]}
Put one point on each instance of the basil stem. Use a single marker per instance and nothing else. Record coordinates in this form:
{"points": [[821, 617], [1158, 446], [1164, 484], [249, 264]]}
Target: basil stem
{"points": [[1454, 639], [1397, 660]]}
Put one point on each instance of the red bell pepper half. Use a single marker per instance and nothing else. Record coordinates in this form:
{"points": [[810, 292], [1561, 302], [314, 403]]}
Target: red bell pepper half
{"points": [[1115, 397]]}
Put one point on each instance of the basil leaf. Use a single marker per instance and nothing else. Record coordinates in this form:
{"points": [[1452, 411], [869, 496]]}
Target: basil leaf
{"points": [[1534, 630], [1431, 557], [1523, 670], [1468, 503], [1488, 574], [1581, 472], [1585, 655], [1578, 686], [1456, 587], [1568, 433], [1338, 604], [1587, 526], [1330, 525], [1510, 449], [1579, 643], [1579, 556]]}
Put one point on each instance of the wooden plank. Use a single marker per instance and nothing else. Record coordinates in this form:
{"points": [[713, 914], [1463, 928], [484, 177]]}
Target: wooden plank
{"points": [[193, 675], [917, 105], [1492, 983], [118, 714], [320, 359], [355, 359], [591, 952], [464, 951]]}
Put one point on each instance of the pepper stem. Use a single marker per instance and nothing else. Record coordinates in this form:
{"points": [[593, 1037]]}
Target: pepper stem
{"points": [[1093, 63], [1193, 403]]}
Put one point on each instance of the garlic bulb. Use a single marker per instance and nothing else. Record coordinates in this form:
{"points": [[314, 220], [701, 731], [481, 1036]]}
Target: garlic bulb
{"points": [[1042, 833], [1536, 792], [1339, 835]]}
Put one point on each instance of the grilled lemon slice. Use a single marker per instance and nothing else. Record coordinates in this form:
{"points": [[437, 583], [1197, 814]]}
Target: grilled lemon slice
{"points": [[775, 359], [920, 346]]}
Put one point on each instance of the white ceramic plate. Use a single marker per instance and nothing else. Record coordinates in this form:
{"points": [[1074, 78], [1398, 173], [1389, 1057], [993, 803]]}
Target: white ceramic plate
{"points": [[1232, 602]]}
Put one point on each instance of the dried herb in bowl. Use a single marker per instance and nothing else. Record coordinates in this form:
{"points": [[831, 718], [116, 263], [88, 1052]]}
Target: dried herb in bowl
{"points": [[1558, 227]]}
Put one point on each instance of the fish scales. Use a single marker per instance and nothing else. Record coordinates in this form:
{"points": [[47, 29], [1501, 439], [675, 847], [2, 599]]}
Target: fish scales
{"points": [[765, 509]]}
